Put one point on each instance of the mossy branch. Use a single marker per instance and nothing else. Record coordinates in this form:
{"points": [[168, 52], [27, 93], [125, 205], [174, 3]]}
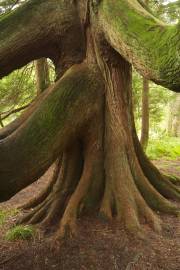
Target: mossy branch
{"points": [[34, 30], [149, 44], [28, 152]]}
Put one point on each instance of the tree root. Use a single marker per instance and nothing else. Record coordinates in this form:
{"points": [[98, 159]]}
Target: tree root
{"points": [[51, 202], [45, 192], [128, 194], [162, 183], [111, 182], [92, 152]]}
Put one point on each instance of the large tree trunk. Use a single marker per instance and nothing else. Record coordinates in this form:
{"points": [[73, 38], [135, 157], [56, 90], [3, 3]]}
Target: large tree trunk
{"points": [[85, 122]]}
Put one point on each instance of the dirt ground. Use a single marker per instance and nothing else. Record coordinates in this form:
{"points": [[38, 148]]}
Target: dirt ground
{"points": [[98, 246]]}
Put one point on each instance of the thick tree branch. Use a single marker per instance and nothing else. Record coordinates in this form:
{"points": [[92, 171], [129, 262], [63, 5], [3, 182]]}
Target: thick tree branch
{"points": [[10, 128], [39, 28], [27, 153], [146, 42]]}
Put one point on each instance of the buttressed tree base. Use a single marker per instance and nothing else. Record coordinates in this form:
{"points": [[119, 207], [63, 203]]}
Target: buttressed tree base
{"points": [[84, 122]]}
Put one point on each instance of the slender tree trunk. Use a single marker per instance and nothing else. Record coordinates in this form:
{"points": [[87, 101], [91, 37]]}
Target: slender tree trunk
{"points": [[145, 114], [176, 117], [42, 75], [145, 109], [170, 119], [1, 122], [173, 127]]}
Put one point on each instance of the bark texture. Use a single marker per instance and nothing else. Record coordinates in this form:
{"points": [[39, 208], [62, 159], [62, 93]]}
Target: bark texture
{"points": [[85, 122]]}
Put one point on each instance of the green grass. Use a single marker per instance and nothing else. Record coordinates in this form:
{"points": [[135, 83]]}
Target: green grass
{"points": [[167, 148], [20, 232], [16, 232], [4, 214]]}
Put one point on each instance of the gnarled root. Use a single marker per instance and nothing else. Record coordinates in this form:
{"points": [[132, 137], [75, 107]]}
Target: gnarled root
{"points": [[51, 202], [125, 200], [127, 193], [39, 198], [161, 182], [130, 192], [105, 172], [77, 184], [88, 192]]}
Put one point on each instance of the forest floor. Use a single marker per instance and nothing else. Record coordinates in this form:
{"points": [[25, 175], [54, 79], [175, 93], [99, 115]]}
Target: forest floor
{"points": [[98, 245]]}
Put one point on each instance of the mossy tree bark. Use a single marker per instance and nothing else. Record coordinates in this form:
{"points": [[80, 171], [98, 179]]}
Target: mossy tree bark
{"points": [[85, 121]]}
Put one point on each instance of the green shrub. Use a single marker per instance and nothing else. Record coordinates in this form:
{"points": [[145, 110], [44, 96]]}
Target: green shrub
{"points": [[168, 148], [20, 232], [4, 214]]}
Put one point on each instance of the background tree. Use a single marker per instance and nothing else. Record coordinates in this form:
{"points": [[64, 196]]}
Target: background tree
{"points": [[174, 117], [145, 109], [159, 100], [145, 114], [85, 120], [42, 74]]}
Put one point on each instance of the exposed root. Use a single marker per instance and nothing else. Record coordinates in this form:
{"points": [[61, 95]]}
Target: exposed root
{"points": [[106, 208], [91, 149], [106, 174], [174, 180], [62, 185], [145, 212], [45, 192], [162, 183], [36, 211], [153, 198], [125, 193], [131, 208]]}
